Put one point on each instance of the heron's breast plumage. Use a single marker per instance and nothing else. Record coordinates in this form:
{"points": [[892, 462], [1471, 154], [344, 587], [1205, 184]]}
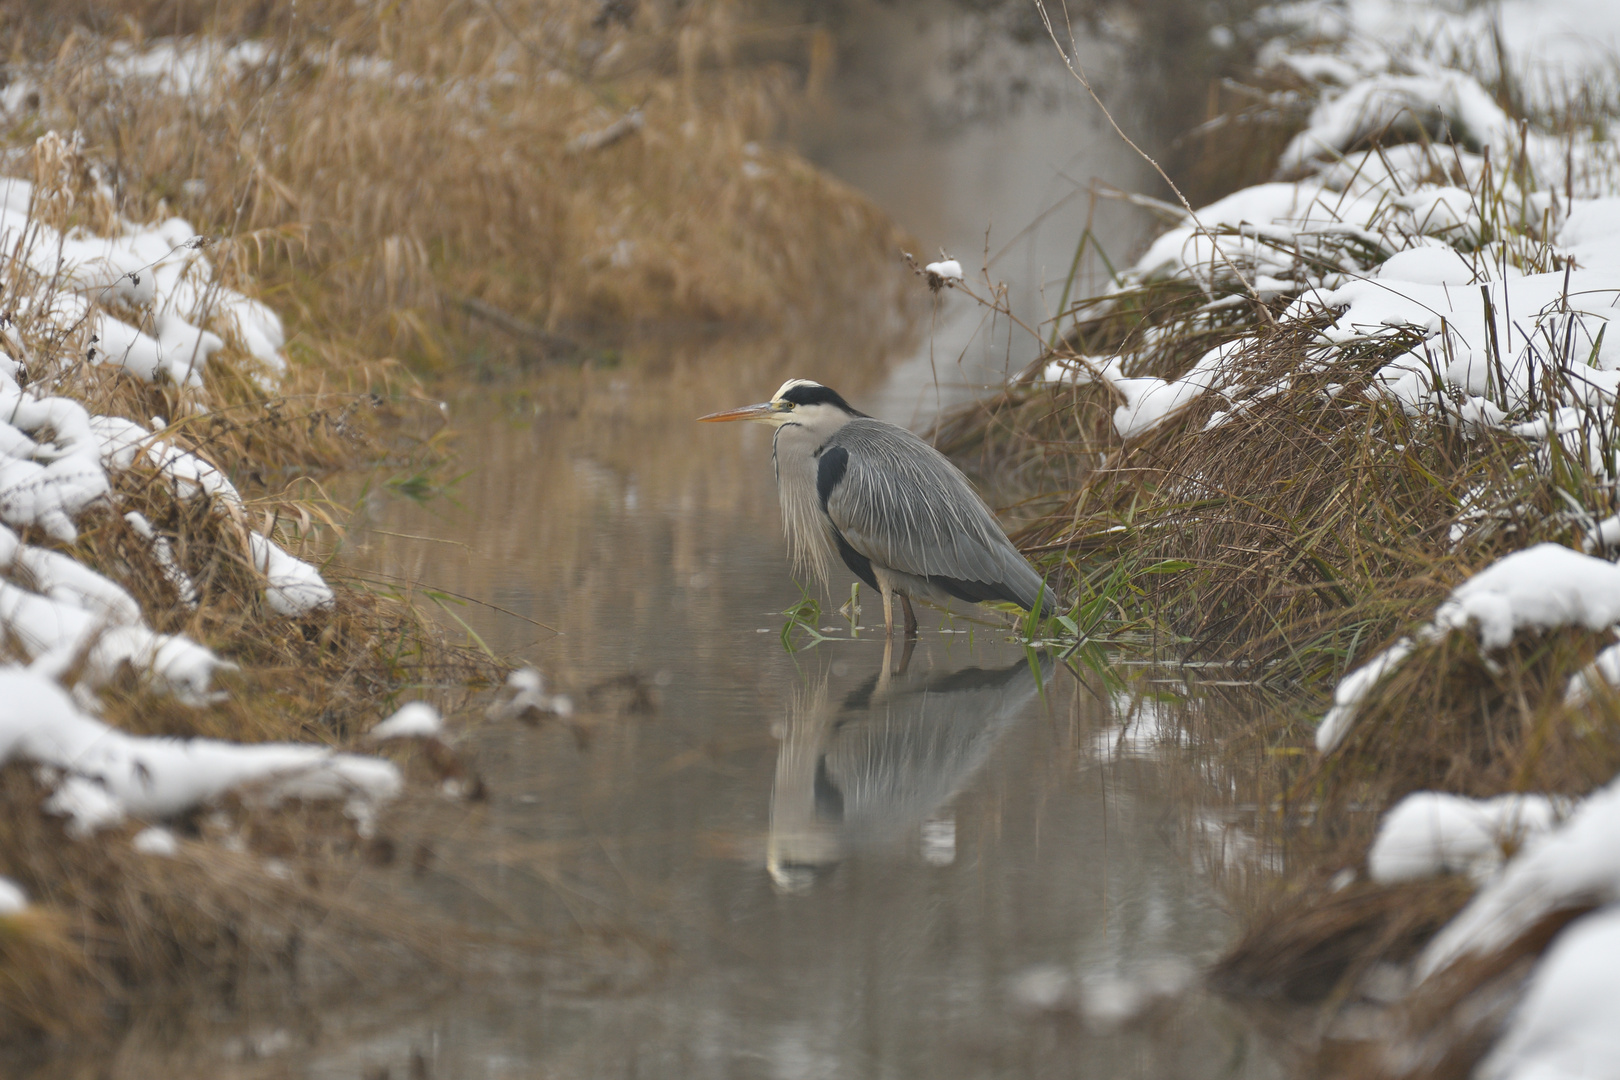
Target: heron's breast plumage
{"points": [[808, 529]]}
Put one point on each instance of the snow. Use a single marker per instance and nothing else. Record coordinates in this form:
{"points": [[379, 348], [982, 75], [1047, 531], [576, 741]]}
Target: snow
{"points": [[1543, 587], [156, 840], [46, 484], [1352, 689], [145, 301], [293, 587], [1603, 671], [1565, 1026], [1369, 106], [1148, 402], [945, 270], [1589, 232], [524, 698], [1389, 242], [12, 898], [1551, 44], [1428, 264], [59, 578], [1457, 347], [188, 67], [73, 613], [1424, 286], [1488, 271], [1575, 865], [184, 588], [161, 271], [104, 774], [413, 720], [1430, 833]]}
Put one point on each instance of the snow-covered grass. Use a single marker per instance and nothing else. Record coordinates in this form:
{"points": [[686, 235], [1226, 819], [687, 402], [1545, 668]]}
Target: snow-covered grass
{"points": [[1369, 409], [168, 646], [1331, 392]]}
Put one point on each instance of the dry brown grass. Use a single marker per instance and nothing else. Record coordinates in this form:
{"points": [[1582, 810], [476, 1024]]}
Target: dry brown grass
{"points": [[1456, 718], [1294, 540], [255, 901], [394, 163], [1309, 532], [1315, 523], [107, 923]]}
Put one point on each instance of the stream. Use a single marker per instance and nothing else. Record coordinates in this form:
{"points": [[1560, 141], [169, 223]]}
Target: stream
{"points": [[746, 861], [790, 865], [978, 867]]}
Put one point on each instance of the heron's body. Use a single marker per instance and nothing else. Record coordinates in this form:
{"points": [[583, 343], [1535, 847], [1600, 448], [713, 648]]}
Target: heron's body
{"points": [[900, 516]]}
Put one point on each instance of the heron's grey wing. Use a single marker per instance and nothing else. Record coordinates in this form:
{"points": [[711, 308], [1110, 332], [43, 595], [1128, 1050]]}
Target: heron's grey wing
{"points": [[898, 502]]}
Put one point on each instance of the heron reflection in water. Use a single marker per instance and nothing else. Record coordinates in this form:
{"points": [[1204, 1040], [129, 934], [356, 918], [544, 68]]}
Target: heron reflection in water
{"points": [[872, 767]]}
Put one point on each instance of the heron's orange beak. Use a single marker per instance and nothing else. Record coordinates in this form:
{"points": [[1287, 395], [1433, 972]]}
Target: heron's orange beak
{"points": [[747, 412]]}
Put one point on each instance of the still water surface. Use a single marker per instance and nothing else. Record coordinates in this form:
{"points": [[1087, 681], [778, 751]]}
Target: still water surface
{"points": [[796, 866], [793, 865]]}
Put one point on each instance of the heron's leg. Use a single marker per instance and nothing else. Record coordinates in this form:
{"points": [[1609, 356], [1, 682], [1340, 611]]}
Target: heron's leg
{"points": [[888, 608], [911, 618], [905, 656]]}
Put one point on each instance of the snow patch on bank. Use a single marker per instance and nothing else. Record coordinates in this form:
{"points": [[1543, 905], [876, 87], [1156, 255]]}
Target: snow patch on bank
{"points": [[1430, 833], [157, 270], [1565, 1026], [143, 300], [100, 775], [1575, 865], [413, 720], [1404, 241], [1541, 588]]}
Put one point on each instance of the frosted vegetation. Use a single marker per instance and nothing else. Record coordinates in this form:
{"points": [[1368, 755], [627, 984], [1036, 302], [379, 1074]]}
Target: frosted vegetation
{"points": [[87, 308], [412, 187], [1385, 382], [1505, 279]]}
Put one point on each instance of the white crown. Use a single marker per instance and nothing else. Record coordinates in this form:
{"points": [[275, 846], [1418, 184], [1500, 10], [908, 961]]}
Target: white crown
{"points": [[790, 384]]}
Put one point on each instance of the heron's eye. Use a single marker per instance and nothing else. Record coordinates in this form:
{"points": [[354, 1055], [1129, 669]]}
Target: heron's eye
{"points": [[787, 406]]}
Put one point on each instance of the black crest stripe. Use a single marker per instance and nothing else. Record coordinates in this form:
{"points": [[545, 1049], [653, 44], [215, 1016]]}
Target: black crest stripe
{"points": [[816, 394]]}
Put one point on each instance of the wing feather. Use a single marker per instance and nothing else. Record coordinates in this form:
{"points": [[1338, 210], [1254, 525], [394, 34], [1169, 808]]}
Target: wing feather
{"points": [[901, 504]]}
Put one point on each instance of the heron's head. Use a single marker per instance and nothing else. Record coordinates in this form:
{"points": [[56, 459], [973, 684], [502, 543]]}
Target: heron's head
{"points": [[799, 401]]}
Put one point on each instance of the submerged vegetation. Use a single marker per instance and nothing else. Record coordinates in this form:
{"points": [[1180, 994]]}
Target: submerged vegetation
{"points": [[1352, 432]]}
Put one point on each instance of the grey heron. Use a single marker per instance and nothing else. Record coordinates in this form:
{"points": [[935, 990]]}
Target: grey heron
{"points": [[902, 517]]}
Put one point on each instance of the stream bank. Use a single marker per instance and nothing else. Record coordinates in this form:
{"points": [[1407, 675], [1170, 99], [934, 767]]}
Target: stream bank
{"points": [[1322, 432]]}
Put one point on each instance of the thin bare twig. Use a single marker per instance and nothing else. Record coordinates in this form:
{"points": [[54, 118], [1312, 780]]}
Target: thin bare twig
{"points": [[1079, 74]]}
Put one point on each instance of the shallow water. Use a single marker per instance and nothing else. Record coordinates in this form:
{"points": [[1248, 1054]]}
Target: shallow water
{"points": [[790, 864], [970, 131], [739, 860], [746, 861]]}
